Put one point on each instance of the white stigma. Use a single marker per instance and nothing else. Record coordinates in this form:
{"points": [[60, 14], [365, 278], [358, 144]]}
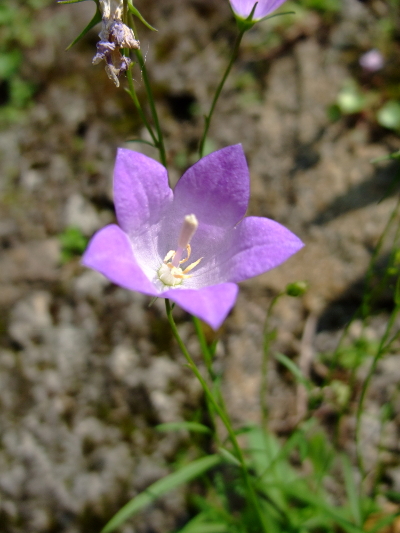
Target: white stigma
{"points": [[170, 272], [189, 227]]}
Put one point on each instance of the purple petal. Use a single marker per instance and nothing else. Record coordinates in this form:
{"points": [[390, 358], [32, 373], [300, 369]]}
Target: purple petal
{"points": [[243, 8], [258, 245], [216, 188], [110, 252], [211, 304], [141, 192]]}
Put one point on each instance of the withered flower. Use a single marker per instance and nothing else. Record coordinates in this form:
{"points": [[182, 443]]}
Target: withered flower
{"points": [[114, 35]]}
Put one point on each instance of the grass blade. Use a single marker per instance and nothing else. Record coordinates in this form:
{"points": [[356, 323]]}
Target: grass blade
{"points": [[196, 427], [160, 487], [351, 489]]}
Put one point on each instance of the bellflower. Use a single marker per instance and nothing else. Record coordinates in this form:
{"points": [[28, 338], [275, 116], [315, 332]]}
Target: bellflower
{"points": [[244, 8], [193, 244]]}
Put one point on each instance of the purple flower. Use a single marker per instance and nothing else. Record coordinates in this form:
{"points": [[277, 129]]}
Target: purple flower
{"points": [[191, 245], [243, 8], [372, 60]]}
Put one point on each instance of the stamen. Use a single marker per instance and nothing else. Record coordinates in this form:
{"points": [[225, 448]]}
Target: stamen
{"points": [[169, 255], [170, 272], [189, 227], [191, 267], [188, 251]]}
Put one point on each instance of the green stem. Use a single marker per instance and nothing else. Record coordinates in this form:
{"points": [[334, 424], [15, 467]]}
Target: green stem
{"points": [[125, 11], [136, 102], [362, 311], [264, 363], [218, 91], [159, 141], [208, 359], [204, 347], [223, 416], [379, 353]]}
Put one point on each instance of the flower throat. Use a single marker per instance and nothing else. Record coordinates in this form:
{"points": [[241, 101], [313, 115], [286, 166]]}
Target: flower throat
{"points": [[170, 272]]}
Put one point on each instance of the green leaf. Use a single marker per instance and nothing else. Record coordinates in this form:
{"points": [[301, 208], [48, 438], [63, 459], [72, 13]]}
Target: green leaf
{"points": [[73, 243], [160, 487], [230, 458], [135, 12], [140, 141], [95, 20], [199, 524], [389, 115], [276, 15], [313, 500], [294, 369], [189, 426], [10, 61], [206, 528], [70, 1], [351, 489], [394, 155], [397, 293]]}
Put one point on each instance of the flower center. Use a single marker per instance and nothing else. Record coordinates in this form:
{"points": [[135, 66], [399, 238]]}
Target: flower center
{"points": [[170, 272]]}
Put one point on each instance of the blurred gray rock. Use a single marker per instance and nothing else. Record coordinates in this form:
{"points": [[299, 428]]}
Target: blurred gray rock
{"points": [[81, 214]]}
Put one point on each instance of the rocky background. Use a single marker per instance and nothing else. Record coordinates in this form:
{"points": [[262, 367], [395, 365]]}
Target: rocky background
{"points": [[87, 370]]}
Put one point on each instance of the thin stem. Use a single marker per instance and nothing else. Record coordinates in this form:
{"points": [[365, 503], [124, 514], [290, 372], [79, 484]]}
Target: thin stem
{"points": [[136, 102], [204, 347], [265, 359], [379, 353], [208, 359], [223, 416], [159, 139], [218, 91], [363, 309], [125, 11], [368, 296]]}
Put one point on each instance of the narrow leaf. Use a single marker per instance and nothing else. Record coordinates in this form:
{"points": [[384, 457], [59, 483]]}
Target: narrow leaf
{"points": [[294, 369], [70, 1], [394, 155], [276, 15], [206, 528], [189, 426], [199, 524], [160, 487], [351, 490], [229, 457], [334, 513], [95, 20], [140, 141], [135, 12]]}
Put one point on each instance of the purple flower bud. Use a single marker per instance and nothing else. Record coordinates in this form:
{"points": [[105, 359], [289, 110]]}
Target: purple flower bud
{"points": [[372, 60]]}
